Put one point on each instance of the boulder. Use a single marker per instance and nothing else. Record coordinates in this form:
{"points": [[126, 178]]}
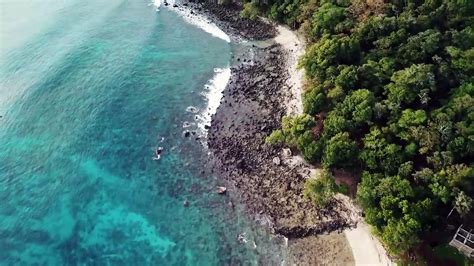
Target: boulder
{"points": [[221, 190], [276, 160]]}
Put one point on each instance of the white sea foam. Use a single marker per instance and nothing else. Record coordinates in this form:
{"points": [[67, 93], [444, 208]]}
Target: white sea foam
{"points": [[187, 124], [198, 20], [157, 4], [213, 92], [214, 88]]}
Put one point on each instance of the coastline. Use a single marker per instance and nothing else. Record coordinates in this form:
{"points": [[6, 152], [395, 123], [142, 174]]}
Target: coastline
{"points": [[264, 86], [365, 248]]}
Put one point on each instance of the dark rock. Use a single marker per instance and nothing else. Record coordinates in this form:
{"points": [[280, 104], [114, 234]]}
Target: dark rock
{"points": [[252, 103]]}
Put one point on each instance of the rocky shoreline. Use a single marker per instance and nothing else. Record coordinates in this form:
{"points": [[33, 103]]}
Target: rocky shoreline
{"points": [[253, 104], [266, 179], [228, 19]]}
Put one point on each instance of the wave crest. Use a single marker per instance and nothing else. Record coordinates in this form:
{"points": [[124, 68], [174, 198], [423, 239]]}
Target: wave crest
{"points": [[213, 92], [198, 20]]}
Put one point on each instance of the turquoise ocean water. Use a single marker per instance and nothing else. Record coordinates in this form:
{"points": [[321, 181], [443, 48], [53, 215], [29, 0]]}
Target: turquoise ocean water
{"points": [[88, 90]]}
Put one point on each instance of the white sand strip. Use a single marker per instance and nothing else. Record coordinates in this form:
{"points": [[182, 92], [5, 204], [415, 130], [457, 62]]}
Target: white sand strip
{"points": [[290, 41], [366, 249]]}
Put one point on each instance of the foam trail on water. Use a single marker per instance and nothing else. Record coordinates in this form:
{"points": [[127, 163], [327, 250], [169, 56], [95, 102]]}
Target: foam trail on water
{"points": [[199, 21], [213, 92]]}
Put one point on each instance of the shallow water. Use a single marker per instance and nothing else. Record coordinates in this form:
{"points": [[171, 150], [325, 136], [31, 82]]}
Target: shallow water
{"points": [[88, 90]]}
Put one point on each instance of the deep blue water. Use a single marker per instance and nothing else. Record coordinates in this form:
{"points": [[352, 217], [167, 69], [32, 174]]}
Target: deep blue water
{"points": [[88, 89]]}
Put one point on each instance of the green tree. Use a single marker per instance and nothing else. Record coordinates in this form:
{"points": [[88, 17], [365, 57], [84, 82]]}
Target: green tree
{"points": [[380, 155], [409, 119], [410, 84], [294, 127], [463, 39], [330, 19], [335, 123], [412, 118], [321, 58], [357, 107], [374, 75], [461, 62], [405, 170], [420, 47], [314, 100], [374, 28], [296, 132], [311, 149], [340, 151], [347, 78], [393, 209], [445, 183], [463, 203]]}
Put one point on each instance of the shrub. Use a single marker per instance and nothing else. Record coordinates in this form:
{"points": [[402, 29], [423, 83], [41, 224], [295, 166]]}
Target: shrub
{"points": [[321, 188], [250, 11]]}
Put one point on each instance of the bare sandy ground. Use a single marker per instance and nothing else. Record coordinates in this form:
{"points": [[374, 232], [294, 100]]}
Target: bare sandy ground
{"points": [[294, 47], [355, 246], [331, 250], [367, 250], [291, 42]]}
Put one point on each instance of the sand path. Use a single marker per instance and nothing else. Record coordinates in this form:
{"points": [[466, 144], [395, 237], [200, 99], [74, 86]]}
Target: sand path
{"points": [[291, 42]]}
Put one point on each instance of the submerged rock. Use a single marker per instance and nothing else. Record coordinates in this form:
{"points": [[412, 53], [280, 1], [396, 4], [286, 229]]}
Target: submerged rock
{"points": [[192, 109]]}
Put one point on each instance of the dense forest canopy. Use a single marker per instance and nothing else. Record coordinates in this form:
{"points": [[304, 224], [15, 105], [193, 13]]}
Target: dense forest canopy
{"points": [[390, 92]]}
